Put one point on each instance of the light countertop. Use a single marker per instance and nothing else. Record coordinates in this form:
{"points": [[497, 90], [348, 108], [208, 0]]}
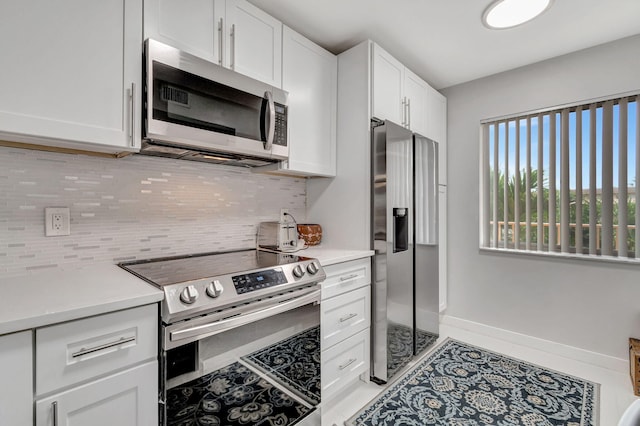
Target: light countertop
{"points": [[329, 256], [46, 298]]}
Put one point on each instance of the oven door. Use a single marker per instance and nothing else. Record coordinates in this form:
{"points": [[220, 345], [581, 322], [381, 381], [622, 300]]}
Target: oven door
{"points": [[253, 363]]}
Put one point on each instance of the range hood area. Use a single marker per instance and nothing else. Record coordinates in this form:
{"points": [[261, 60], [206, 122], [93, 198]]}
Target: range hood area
{"points": [[175, 150]]}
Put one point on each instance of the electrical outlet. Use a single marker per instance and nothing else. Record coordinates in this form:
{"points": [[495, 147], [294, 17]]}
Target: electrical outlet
{"points": [[283, 215], [56, 221]]}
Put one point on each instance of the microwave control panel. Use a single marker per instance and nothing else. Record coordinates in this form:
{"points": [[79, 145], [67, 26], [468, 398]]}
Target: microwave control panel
{"points": [[280, 134]]}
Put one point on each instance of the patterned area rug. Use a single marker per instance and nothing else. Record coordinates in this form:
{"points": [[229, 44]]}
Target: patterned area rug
{"points": [[233, 395], [294, 362], [459, 384], [400, 346]]}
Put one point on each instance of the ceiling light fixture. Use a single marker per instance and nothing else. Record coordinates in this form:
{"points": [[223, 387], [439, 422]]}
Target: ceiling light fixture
{"points": [[502, 14]]}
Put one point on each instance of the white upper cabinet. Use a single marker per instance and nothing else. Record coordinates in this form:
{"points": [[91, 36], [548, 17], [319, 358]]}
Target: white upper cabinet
{"points": [[69, 68], [416, 92], [387, 96], [437, 129], [309, 74], [231, 33], [194, 26], [253, 42], [398, 94]]}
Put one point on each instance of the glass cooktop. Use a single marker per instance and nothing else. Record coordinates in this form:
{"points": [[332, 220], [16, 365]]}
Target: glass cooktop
{"points": [[178, 269]]}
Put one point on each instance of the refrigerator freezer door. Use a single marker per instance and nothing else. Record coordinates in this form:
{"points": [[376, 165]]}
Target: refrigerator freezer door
{"points": [[426, 248], [392, 240]]}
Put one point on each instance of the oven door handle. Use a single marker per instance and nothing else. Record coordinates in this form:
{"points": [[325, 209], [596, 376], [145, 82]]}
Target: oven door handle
{"points": [[220, 326]]}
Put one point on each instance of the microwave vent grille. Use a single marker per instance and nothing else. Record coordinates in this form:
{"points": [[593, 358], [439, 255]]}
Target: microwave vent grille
{"points": [[174, 95]]}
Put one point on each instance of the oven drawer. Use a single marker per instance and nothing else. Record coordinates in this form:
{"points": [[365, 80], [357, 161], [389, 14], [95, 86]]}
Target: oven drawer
{"points": [[80, 350], [343, 363], [346, 276], [345, 315]]}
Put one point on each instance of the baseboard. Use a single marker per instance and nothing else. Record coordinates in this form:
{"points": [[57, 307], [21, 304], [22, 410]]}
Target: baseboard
{"points": [[618, 365]]}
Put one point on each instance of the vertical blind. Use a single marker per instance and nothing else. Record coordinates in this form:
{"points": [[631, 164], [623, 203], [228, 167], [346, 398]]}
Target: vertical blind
{"points": [[564, 180]]}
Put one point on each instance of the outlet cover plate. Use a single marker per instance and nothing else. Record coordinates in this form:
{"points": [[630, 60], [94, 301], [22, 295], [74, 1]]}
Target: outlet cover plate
{"points": [[283, 216], [57, 221]]}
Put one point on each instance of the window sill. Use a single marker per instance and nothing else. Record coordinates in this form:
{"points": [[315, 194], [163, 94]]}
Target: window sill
{"points": [[562, 256]]}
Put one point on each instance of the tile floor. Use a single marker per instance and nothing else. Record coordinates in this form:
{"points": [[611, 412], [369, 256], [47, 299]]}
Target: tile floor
{"points": [[616, 392]]}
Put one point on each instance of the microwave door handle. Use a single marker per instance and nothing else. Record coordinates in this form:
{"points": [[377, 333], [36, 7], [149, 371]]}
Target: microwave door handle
{"points": [[271, 118]]}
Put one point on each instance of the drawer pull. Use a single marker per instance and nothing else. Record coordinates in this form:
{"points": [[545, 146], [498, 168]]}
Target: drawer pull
{"points": [[121, 341], [348, 277], [54, 408], [348, 317], [348, 363]]}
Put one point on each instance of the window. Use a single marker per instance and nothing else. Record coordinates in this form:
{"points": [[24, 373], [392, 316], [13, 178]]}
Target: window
{"points": [[563, 180]]}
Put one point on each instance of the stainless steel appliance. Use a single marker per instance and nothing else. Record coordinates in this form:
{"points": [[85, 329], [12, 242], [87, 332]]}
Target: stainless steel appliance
{"points": [[235, 328], [404, 194], [278, 236], [198, 110]]}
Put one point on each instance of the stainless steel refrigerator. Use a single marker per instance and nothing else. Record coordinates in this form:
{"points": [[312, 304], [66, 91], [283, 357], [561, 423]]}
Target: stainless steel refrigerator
{"points": [[404, 209]]}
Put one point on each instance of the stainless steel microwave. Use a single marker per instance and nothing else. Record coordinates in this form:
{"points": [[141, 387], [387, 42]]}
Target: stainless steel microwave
{"points": [[198, 110]]}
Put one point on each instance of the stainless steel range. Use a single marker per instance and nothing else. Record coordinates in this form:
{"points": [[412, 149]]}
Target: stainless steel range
{"points": [[227, 320]]}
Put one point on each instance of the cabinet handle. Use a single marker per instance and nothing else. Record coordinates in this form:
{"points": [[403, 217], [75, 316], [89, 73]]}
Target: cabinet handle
{"points": [[348, 277], [118, 342], [54, 409], [233, 47], [408, 113], [348, 317], [404, 112], [132, 106], [348, 363], [220, 41]]}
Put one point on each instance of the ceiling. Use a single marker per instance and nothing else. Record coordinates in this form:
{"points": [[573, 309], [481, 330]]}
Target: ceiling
{"points": [[445, 42]]}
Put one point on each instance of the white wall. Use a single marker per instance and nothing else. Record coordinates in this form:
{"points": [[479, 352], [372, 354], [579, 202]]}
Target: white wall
{"points": [[131, 208], [590, 305]]}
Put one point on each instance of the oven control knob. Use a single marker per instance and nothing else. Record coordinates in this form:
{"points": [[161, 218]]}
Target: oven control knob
{"points": [[312, 268], [298, 272], [189, 294], [214, 289]]}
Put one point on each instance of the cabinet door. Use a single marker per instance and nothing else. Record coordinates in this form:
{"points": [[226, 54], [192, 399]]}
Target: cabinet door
{"points": [[416, 91], [254, 42], [437, 129], [129, 398], [442, 241], [193, 26], [309, 74], [68, 68], [16, 376], [387, 94]]}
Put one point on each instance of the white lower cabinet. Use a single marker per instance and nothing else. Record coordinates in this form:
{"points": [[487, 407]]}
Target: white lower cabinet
{"points": [[97, 371], [128, 398], [16, 378], [344, 362], [345, 316], [345, 322]]}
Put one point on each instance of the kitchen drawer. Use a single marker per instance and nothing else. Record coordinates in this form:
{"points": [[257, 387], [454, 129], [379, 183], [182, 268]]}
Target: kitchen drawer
{"points": [[346, 276], [343, 363], [80, 350], [345, 315]]}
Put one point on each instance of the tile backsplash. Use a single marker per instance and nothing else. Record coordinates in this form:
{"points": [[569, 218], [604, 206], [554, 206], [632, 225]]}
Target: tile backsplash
{"points": [[135, 207]]}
